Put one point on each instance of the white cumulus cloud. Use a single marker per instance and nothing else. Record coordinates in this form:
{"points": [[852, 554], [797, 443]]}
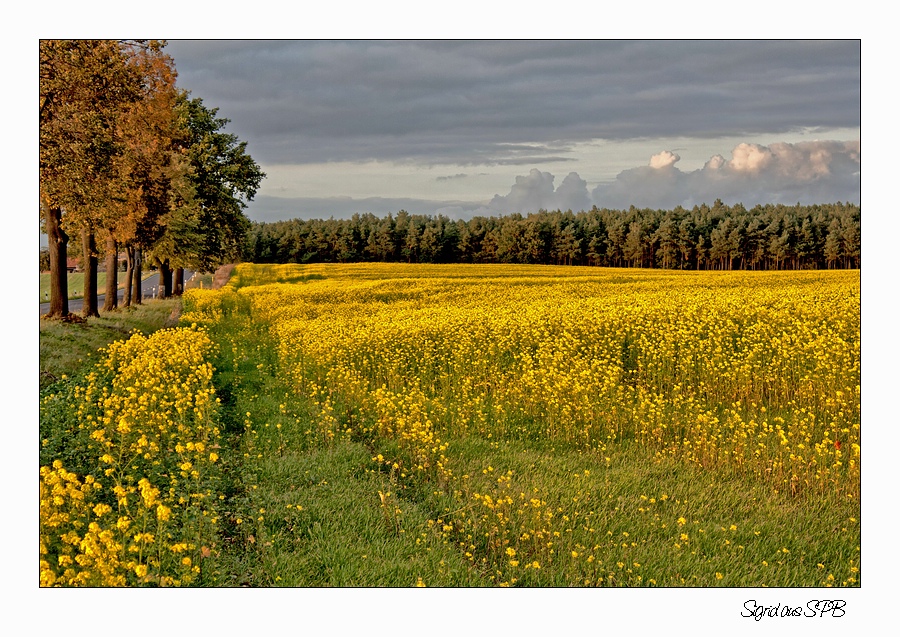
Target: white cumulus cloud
{"points": [[805, 172], [535, 190], [750, 158], [664, 159]]}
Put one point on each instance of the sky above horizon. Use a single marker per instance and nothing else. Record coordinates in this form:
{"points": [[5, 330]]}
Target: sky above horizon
{"points": [[466, 128]]}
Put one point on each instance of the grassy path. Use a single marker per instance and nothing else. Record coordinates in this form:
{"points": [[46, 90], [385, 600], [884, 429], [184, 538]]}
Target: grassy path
{"points": [[306, 512]]}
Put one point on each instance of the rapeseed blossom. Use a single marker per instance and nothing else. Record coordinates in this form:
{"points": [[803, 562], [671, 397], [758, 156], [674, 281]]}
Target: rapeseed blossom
{"points": [[756, 372], [150, 400]]}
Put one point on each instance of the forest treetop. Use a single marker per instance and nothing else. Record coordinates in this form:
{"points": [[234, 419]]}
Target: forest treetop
{"points": [[718, 237]]}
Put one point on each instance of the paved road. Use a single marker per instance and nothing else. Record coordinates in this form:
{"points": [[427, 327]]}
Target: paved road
{"points": [[149, 289]]}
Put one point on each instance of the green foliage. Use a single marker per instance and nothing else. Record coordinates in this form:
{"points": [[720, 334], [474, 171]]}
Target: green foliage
{"points": [[719, 238], [209, 228]]}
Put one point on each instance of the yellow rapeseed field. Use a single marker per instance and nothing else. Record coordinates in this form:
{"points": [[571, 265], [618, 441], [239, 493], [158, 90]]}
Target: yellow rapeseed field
{"points": [[741, 373], [756, 370], [747, 375]]}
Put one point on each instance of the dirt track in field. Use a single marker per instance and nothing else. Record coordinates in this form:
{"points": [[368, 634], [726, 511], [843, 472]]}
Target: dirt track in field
{"points": [[222, 275]]}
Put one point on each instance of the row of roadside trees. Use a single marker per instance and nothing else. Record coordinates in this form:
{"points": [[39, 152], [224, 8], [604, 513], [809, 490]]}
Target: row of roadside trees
{"points": [[131, 163]]}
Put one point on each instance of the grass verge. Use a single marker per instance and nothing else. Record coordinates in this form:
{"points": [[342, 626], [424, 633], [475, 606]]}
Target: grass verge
{"points": [[67, 348]]}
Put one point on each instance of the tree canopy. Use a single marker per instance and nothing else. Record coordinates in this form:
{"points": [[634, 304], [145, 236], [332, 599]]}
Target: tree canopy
{"points": [[128, 157], [717, 237]]}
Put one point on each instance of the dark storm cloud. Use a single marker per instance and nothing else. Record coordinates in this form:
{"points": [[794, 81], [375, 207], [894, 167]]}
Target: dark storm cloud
{"points": [[511, 102]]}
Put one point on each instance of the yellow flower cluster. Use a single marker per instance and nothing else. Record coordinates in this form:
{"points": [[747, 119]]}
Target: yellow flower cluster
{"points": [[147, 415]]}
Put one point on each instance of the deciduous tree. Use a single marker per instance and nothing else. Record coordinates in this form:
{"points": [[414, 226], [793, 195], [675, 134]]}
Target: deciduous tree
{"points": [[95, 110], [83, 85]]}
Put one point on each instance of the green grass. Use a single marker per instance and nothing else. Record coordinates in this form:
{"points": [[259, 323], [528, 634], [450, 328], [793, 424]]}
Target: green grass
{"points": [[315, 518], [341, 534], [68, 348], [624, 506]]}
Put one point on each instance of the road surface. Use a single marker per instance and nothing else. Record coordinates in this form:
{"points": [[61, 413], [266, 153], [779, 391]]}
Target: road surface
{"points": [[149, 290]]}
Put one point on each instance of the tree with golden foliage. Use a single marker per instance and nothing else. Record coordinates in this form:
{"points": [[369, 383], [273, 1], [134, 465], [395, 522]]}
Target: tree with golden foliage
{"points": [[146, 167], [91, 94], [128, 158]]}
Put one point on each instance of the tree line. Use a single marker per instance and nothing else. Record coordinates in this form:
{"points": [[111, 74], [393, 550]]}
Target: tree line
{"points": [[131, 163], [717, 237]]}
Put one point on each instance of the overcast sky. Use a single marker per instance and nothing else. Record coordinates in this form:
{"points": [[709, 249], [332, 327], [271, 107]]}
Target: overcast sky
{"points": [[489, 127]]}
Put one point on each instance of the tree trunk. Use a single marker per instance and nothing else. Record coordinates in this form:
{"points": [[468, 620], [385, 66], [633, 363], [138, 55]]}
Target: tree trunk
{"points": [[178, 282], [59, 275], [112, 274], [136, 281], [129, 275], [89, 261], [165, 279]]}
